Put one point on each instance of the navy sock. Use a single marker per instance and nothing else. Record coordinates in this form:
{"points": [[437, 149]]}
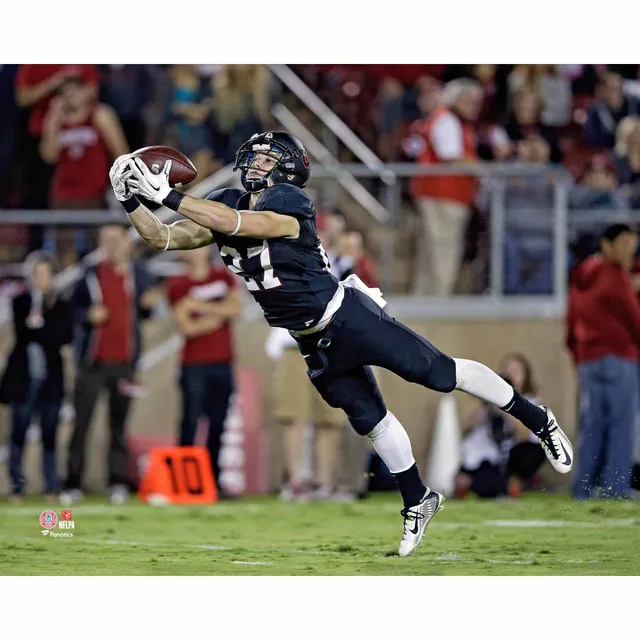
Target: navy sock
{"points": [[531, 416], [411, 486]]}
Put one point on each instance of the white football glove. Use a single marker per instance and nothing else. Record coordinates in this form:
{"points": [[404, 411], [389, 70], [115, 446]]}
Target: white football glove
{"points": [[118, 175], [149, 185]]}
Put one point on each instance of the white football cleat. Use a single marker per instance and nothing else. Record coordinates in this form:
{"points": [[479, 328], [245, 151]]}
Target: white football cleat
{"points": [[555, 443], [416, 520]]}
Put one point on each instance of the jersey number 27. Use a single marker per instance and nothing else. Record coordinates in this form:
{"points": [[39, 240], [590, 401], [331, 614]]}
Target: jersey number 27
{"points": [[266, 279]]}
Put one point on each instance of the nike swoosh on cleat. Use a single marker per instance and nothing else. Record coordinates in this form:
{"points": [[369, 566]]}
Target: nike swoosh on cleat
{"points": [[567, 459], [415, 529]]}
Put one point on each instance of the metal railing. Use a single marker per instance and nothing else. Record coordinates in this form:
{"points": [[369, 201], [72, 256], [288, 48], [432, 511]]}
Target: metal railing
{"points": [[331, 121], [331, 164]]}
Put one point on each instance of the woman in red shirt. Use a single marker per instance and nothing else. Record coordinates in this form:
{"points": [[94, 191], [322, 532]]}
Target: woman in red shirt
{"points": [[81, 138], [204, 300]]}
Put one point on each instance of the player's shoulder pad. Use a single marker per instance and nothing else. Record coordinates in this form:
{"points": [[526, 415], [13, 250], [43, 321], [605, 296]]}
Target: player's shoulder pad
{"points": [[287, 199], [228, 196]]}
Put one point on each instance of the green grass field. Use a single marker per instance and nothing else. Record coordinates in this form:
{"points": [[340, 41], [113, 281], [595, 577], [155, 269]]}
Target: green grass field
{"points": [[537, 535]]}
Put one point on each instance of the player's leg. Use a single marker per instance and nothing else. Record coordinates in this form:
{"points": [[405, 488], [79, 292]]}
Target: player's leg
{"points": [[292, 398], [49, 415], [593, 424], [328, 427], [357, 394], [219, 388], [622, 399], [118, 458], [89, 383], [193, 390], [20, 420], [368, 332]]}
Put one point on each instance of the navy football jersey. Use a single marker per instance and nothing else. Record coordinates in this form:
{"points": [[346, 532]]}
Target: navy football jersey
{"points": [[289, 278]]}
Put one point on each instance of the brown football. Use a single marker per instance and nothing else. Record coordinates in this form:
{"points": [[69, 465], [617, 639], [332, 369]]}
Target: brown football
{"points": [[183, 170]]}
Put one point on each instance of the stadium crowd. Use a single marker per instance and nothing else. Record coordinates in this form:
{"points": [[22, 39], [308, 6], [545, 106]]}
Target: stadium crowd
{"points": [[62, 125]]}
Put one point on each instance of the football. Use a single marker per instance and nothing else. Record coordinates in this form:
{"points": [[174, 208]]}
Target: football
{"points": [[183, 170]]}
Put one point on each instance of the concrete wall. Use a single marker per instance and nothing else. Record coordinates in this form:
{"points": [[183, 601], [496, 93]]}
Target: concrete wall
{"points": [[483, 340]]}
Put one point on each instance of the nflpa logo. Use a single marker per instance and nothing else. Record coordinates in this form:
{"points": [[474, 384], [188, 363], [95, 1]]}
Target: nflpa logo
{"points": [[66, 521]]}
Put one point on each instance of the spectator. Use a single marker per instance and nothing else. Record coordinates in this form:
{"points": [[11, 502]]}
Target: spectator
{"points": [[8, 129], [191, 105], [444, 202], [624, 129], [525, 122], [603, 336], [598, 187], [127, 88], [499, 454], [36, 85], [241, 104], [626, 71], [390, 118], [33, 382], [109, 303], [628, 165], [553, 88], [352, 259], [607, 111], [297, 405], [343, 263], [80, 138], [583, 77], [330, 230], [204, 300], [429, 97], [528, 242], [493, 88]]}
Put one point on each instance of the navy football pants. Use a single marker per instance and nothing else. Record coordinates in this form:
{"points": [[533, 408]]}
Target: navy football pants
{"points": [[360, 336]]}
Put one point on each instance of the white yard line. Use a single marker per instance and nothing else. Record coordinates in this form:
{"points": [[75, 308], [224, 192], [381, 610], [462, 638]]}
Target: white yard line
{"points": [[201, 547]]}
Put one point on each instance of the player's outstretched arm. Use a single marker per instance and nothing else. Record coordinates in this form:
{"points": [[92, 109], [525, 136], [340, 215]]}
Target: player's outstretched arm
{"points": [[183, 234], [252, 224], [215, 216]]}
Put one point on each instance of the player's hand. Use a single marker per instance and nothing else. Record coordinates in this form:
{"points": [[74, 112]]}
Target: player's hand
{"points": [[149, 185], [119, 173]]}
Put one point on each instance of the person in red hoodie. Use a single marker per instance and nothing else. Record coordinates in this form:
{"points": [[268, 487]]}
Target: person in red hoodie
{"points": [[603, 335]]}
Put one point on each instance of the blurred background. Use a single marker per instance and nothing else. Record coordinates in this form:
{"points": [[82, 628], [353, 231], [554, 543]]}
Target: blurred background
{"points": [[473, 195]]}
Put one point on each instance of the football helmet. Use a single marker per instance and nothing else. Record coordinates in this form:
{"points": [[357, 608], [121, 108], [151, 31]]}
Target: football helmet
{"points": [[292, 164]]}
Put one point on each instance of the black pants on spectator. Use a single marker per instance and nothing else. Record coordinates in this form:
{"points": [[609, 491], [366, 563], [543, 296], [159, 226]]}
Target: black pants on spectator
{"points": [[490, 480], [206, 392], [91, 381], [21, 414]]}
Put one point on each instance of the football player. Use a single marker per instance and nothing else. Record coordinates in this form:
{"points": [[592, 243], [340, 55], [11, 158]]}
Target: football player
{"points": [[266, 233]]}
